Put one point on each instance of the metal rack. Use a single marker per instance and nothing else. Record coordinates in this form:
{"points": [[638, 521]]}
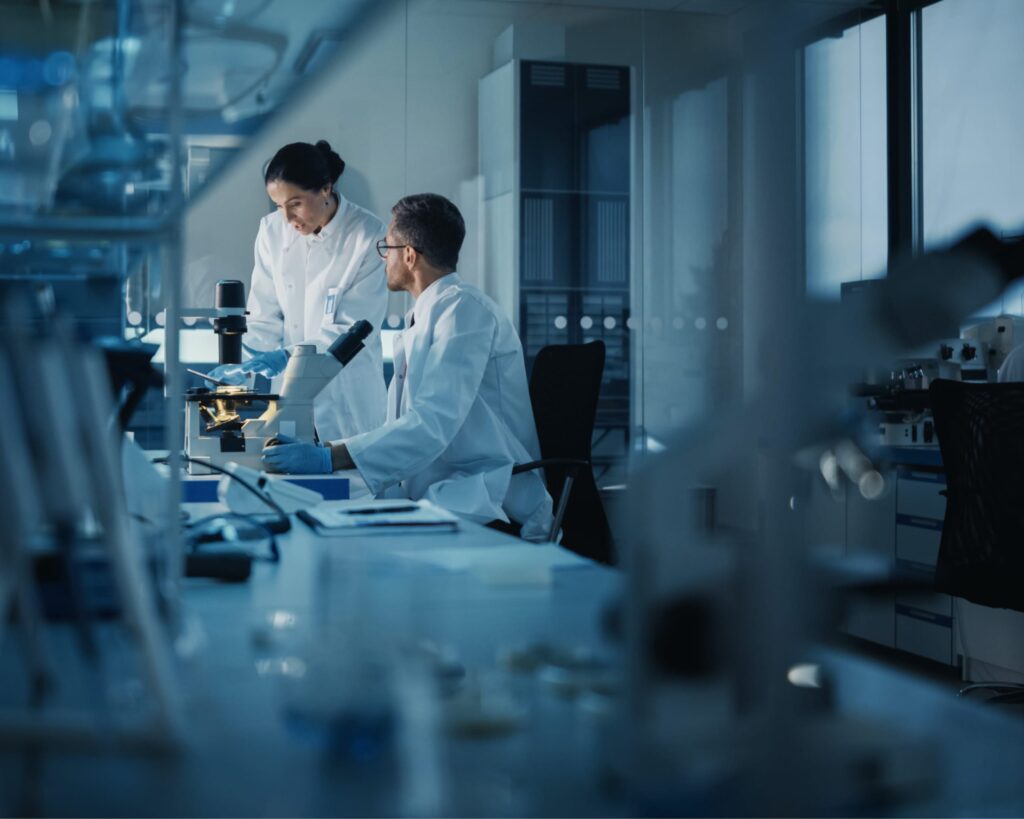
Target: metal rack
{"points": [[94, 169]]}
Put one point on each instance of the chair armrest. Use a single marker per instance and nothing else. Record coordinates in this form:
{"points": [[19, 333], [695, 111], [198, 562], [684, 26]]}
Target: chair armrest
{"points": [[573, 466], [543, 462]]}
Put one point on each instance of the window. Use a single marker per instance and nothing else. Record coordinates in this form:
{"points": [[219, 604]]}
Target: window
{"points": [[846, 209], [973, 117]]}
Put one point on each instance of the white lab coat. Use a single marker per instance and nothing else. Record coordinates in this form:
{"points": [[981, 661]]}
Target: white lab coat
{"points": [[309, 290], [1012, 368], [459, 414]]}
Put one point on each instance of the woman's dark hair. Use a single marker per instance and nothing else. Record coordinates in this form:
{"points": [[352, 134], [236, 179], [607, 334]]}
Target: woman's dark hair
{"points": [[432, 225], [311, 167]]}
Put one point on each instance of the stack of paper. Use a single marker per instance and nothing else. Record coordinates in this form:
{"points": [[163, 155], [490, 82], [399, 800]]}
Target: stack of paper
{"points": [[379, 517]]}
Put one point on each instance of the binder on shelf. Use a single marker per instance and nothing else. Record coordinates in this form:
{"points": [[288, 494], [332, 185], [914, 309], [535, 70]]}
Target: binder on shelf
{"points": [[369, 517]]}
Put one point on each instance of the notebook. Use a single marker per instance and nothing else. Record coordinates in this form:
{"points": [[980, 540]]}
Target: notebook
{"points": [[368, 517]]}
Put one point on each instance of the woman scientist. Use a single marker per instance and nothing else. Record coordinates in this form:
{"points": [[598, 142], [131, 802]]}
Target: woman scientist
{"points": [[316, 273]]}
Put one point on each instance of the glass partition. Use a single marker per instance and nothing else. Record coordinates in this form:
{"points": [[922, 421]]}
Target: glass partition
{"points": [[115, 116], [845, 174], [113, 113], [88, 111], [690, 327]]}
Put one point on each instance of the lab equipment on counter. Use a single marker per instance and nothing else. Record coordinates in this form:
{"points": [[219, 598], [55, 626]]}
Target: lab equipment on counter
{"points": [[909, 430], [228, 319], [972, 358], [903, 402], [215, 430], [975, 356], [901, 406], [1000, 335]]}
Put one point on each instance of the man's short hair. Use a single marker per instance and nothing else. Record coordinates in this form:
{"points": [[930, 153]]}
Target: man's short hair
{"points": [[432, 225]]}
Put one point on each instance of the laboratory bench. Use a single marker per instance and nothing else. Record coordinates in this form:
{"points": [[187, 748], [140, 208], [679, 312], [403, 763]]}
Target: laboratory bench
{"points": [[295, 704]]}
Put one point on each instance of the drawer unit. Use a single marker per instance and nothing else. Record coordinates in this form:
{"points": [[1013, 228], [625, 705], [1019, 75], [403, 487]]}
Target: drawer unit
{"points": [[907, 528], [917, 540], [917, 494], [933, 603], [870, 531], [924, 633]]}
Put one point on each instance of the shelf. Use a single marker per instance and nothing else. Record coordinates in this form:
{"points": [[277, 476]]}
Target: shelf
{"points": [[106, 228]]}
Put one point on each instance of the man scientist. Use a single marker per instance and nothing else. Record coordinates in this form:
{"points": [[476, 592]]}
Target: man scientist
{"points": [[459, 414]]}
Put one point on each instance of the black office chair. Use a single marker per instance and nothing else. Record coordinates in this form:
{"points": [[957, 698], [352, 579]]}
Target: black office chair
{"points": [[980, 428], [564, 388]]}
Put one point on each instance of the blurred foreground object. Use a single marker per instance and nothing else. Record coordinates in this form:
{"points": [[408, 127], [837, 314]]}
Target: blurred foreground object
{"points": [[62, 495]]}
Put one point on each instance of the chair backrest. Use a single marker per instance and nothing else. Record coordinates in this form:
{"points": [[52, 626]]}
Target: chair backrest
{"points": [[981, 434], [564, 388]]}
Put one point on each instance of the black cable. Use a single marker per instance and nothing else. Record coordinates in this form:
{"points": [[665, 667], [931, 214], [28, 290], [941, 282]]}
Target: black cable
{"points": [[251, 519], [223, 516], [280, 526]]}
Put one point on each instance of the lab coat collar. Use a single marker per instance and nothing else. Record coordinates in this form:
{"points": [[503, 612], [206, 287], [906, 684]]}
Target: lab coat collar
{"points": [[429, 296], [333, 227]]}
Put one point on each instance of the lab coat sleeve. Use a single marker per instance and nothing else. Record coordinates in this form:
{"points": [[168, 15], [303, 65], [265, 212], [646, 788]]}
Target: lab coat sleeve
{"points": [[1013, 368], [265, 324], [447, 387], [365, 298]]}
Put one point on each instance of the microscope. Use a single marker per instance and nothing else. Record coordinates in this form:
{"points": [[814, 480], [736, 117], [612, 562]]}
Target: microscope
{"points": [[215, 430]]}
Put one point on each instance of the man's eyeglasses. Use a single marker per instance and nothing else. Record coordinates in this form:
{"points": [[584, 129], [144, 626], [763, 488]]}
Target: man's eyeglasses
{"points": [[383, 247]]}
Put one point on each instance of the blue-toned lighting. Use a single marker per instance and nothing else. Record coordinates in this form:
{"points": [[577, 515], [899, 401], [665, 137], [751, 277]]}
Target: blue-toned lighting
{"points": [[9, 72], [60, 68], [27, 73], [31, 74]]}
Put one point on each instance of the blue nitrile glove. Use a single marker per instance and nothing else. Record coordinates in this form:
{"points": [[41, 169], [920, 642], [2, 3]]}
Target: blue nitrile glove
{"points": [[268, 364], [297, 458], [228, 374]]}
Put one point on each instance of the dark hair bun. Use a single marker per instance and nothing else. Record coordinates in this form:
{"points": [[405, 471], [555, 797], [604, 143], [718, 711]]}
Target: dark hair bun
{"points": [[335, 164], [311, 167]]}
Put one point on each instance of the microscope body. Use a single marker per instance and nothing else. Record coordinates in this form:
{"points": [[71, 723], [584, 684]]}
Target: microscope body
{"points": [[216, 433]]}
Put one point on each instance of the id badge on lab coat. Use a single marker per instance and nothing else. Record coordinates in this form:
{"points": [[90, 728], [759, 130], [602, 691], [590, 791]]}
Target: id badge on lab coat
{"points": [[331, 301]]}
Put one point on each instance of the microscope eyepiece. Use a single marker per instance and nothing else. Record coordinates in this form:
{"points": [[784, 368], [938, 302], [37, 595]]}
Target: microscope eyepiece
{"points": [[346, 346], [229, 293]]}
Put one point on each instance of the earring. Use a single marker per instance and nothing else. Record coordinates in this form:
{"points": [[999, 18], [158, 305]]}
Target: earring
{"points": [[325, 203]]}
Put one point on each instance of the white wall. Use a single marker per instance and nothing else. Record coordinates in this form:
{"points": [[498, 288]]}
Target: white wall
{"points": [[401, 109], [358, 108]]}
